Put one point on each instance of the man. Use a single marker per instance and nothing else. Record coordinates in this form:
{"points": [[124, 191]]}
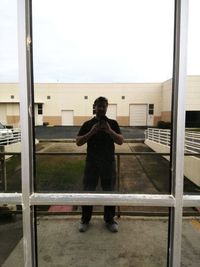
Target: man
{"points": [[100, 133]]}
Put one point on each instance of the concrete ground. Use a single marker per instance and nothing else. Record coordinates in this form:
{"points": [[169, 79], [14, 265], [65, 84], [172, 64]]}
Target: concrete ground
{"points": [[140, 242]]}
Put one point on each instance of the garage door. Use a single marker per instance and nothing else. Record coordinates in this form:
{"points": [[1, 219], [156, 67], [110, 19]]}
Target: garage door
{"points": [[112, 112], [67, 117], [138, 115]]}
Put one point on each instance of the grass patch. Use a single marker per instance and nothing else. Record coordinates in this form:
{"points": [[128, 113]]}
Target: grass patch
{"points": [[53, 173], [59, 173], [13, 172], [193, 129]]}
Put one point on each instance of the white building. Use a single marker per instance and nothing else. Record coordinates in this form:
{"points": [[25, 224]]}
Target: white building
{"points": [[132, 104]]}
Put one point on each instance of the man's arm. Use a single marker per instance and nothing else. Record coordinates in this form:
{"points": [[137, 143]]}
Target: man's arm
{"points": [[82, 139], [117, 138]]}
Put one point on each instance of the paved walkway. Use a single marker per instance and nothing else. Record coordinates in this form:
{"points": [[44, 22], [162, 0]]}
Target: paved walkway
{"points": [[139, 243]]}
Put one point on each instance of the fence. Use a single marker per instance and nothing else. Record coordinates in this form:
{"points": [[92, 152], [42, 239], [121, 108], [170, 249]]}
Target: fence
{"points": [[163, 136], [14, 138]]}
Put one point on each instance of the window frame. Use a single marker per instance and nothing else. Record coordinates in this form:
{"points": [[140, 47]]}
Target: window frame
{"points": [[29, 199]]}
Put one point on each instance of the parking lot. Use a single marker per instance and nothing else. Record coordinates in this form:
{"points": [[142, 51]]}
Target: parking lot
{"points": [[66, 132]]}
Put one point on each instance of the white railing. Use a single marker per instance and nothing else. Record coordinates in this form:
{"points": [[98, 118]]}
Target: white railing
{"points": [[14, 138], [163, 136]]}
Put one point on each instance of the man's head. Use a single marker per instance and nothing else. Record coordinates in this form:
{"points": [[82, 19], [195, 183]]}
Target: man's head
{"points": [[100, 106]]}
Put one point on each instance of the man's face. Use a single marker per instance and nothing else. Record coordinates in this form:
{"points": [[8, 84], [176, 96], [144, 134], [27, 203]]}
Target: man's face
{"points": [[101, 109]]}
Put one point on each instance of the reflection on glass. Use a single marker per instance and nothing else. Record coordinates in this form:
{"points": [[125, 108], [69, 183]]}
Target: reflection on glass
{"points": [[191, 239], [11, 241], [192, 105], [10, 173], [59, 173], [139, 241], [133, 73], [135, 174], [192, 137], [10, 134]]}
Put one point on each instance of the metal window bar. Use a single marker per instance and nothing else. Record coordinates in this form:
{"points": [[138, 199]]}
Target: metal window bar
{"points": [[178, 130], [27, 122], [28, 198]]}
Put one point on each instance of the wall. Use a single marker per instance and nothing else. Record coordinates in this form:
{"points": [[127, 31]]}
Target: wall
{"points": [[71, 97], [192, 96], [191, 164]]}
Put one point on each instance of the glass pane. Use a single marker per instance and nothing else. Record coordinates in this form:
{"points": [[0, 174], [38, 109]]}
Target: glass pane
{"points": [[135, 174], [11, 241], [75, 62], [11, 172], [140, 241], [191, 240], [10, 133], [192, 122]]}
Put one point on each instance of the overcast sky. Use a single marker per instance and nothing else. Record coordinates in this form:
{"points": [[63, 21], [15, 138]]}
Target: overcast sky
{"points": [[98, 40]]}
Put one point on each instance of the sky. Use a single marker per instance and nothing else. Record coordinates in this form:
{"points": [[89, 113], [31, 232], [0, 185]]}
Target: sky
{"points": [[83, 41]]}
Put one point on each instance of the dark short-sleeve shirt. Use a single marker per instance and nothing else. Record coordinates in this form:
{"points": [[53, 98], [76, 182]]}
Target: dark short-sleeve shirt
{"points": [[100, 147]]}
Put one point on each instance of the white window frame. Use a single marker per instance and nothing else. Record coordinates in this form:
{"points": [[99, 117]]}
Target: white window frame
{"points": [[29, 199]]}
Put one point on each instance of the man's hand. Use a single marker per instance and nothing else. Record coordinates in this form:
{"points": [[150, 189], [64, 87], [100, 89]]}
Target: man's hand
{"points": [[95, 128], [81, 140], [106, 128]]}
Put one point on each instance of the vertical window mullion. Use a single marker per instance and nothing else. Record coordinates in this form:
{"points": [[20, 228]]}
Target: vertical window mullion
{"points": [[26, 117], [178, 130]]}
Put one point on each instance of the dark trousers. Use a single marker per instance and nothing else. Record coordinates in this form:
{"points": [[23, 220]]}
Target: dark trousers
{"points": [[106, 172]]}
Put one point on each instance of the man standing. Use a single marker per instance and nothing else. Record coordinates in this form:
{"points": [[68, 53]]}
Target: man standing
{"points": [[100, 133]]}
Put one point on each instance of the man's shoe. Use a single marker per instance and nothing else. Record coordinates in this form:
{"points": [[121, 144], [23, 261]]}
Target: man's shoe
{"points": [[112, 226], [83, 226]]}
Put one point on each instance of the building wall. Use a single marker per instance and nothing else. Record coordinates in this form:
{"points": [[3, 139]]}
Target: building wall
{"points": [[192, 96], [72, 97], [193, 93]]}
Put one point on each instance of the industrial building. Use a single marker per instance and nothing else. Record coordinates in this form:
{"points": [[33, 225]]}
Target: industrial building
{"points": [[131, 104]]}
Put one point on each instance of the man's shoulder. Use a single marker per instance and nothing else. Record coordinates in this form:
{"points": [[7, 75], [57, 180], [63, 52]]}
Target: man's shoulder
{"points": [[111, 121]]}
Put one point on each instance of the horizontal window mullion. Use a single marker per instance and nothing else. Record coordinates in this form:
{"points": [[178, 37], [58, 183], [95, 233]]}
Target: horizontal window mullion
{"points": [[11, 198], [191, 201], [102, 199]]}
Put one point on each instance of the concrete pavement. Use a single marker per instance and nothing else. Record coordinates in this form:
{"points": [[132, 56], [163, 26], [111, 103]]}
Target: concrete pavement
{"points": [[140, 242]]}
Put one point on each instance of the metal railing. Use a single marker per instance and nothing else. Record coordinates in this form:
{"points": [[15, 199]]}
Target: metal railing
{"points": [[15, 137], [163, 136]]}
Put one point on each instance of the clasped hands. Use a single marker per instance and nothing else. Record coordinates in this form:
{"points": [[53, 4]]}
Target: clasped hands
{"points": [[101, 127]]}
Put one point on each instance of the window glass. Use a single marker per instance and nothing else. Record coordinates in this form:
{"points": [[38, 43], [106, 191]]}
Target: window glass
{"points": [[10, 132], [11, 241], [192, 106], [125, 57], [141, 241], [191, 237]]}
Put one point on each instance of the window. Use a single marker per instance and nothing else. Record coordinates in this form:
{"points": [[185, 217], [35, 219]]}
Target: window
{"points": [[93, 109], [175, 200], [40, 109], [151, 109]]}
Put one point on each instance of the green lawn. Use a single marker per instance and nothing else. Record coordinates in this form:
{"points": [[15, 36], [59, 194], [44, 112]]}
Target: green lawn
{"points": [[53, 173], [59, 173]]}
